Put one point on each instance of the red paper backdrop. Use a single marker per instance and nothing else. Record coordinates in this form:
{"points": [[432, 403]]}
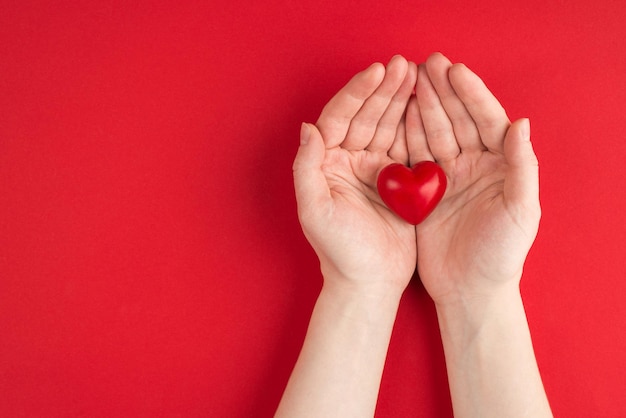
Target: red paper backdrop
{"points": [[151, 262]]}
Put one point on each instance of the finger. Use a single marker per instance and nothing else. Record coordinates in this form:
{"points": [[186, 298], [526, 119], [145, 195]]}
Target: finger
{"points": [[437, 125], [521, 187], [465, 130], [488, 114], [310, 184], [334, 121], [417, 143], [364, 124], [388, 124], [399, 151]]}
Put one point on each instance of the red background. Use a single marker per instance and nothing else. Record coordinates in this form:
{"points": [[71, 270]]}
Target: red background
{"points": [[151, 262]]}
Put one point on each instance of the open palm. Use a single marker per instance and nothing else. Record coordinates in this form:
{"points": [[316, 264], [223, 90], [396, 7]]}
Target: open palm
{"points": [[479, 235], [360, 131]]}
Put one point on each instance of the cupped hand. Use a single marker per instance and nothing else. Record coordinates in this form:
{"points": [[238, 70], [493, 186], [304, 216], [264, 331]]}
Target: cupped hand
{"points": [[360, 243], [477, 239]]}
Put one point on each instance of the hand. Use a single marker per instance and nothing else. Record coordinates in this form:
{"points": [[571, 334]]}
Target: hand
{"points": [[359, 242], [477, 239], [367, 254]]}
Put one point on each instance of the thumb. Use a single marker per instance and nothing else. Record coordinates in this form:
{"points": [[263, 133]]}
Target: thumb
{"points": [[521, 187], [309, 181]]}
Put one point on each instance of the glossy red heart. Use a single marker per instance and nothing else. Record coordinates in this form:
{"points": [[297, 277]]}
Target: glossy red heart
{"points": [[412, 193]]}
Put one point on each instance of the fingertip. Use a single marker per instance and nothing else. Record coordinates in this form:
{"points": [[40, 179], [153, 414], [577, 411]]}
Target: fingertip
{"points": [[309, 153], [371, 77], [375, 72], [524, 129], [437, 56], [397, 58], [521, 129], [460, 74], [398, 63], [518, 148], [376, 66], [455, 69], [315, 137], [305, 133]]}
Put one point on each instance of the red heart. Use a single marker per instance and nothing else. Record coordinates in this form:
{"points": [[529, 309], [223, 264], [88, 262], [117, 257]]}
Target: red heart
{"points": [[412, 193]]}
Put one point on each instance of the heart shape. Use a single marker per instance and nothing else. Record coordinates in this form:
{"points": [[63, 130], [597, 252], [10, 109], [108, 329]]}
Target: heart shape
{"points": [[412, 193]]}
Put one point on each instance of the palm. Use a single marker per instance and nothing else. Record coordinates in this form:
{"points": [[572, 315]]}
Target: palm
{"points": [[468, 232], [480, 233], [358, 133], [386, 243]]}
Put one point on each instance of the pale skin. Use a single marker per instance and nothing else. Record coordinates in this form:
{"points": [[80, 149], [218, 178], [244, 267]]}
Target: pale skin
{"points": [[469, 252]]}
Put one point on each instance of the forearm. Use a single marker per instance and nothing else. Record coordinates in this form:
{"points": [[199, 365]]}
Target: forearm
{"points": [[490, 359], [340, 366]]}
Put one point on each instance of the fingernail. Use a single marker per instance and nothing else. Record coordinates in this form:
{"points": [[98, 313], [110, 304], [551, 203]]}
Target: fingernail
{"points": [[305, 132], [525, 129]]}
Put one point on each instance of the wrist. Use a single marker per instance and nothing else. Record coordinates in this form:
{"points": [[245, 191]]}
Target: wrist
{"points": [[490, 359], [364, 302], [465, 317], [368, 288], [472, 291]]}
